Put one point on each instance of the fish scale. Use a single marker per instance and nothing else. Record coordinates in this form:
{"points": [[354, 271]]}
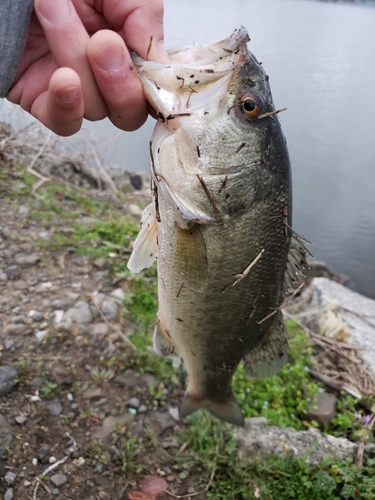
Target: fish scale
{"points": [[220, 220]]}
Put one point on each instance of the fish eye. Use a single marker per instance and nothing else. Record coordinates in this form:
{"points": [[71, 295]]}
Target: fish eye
{"points": [[251, 106]]}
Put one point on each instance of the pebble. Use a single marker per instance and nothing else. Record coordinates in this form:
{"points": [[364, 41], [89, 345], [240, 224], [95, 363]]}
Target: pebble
{"points": [[135, 209], [174, 413], [21, 419], [110, 308], [36, 315], [3, 276], [9, 343], [170, 479], [18, 329], [8, 379], [59, 304], [10, 477], [80, 313], [72, 295], [100, 402], [142, 409], [104, 496], [26, 483], [191, 490], [100, 263], [44, 235], [99, 329], [52, 460], [34, 461], [27, 260], [118, 294], [43, 452], [87, 220], [11, 272], [133, 402], [59, 479], [8, 494], [23, 210], [130, 379], [93, 393], [53, 406], [40, 335]]}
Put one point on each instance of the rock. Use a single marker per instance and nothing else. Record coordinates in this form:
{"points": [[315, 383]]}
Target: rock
{"points": [[9, 343], [53, 406], [21, 419], [36, 315], [88, 220], [80, 313], [163, 421], [44, 235], [136, 181], [354, 310], [72, 295], [104, 496], [10, 477], [18, 329], [110, 309], [11, 272], [174, 413], [135, 209], [8, 494], [27, 260], [99, 329], [142, 409], [109, 424], [59, 304], [322, 408], [40, 335], [59, 479], [3, 276], [133, 402], [43, 452], [100, 263], [249, 422], [260, 440], [100, 402], [93, 393], [118, 294], [8, 379], [130, 379], [191, 490]]}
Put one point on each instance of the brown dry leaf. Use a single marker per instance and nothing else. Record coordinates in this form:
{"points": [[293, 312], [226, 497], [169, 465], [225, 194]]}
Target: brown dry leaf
{"points": [[139, 495]]}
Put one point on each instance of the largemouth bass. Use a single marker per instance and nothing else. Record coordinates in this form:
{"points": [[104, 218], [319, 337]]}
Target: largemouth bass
{"points": [[220, 221]]}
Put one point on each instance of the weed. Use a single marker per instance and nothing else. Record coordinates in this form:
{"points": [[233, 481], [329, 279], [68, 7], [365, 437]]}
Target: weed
{"points": [[48, 388]]}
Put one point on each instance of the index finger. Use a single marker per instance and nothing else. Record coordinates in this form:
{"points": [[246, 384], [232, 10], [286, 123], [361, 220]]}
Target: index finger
{"points": [[68, 39]]}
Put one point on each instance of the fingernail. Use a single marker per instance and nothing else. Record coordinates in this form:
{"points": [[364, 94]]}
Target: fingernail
{"points": [[56, 11], [68, 95], [110, 57]]}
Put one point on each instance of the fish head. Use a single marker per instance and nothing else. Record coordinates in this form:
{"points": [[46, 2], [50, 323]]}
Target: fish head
{"points": [[202, 79]]}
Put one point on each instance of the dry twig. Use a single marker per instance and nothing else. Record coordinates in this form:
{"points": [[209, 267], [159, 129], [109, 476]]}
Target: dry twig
{"points": [[241, 276], [117, 330], [38, 479]]}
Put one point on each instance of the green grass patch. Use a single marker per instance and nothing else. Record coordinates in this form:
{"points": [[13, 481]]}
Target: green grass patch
{"points": [[210, 445]]}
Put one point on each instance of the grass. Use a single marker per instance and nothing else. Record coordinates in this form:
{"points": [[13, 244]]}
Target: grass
{"points": [[282, 399]]}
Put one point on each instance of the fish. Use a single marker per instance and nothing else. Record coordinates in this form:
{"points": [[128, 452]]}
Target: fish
{"points": [[219, 224]]}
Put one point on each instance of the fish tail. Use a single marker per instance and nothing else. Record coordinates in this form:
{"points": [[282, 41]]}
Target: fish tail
{"points": [[227, 410]]}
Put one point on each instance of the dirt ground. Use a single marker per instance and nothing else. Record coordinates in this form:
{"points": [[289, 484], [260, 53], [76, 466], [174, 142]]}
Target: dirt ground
{"points": [[78, 418]]}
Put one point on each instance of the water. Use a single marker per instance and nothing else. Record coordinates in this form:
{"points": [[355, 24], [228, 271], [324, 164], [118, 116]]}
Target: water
{"points": [[320, 58]]}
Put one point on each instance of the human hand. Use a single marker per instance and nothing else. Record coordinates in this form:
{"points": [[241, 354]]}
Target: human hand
{"points": [[65, 74]]}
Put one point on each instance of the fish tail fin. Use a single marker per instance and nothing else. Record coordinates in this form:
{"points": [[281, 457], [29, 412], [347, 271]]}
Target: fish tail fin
{"points": [[227, 410]]}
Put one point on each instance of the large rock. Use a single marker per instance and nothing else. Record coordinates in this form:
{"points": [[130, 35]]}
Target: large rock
{"points": [[261, 440], [356, 312]]}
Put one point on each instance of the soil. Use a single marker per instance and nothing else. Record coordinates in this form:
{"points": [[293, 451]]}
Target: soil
{"points": [[72, 405]]}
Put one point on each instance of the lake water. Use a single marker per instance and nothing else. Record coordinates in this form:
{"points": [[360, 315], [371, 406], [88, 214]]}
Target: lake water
{"points": [[321, 60]]}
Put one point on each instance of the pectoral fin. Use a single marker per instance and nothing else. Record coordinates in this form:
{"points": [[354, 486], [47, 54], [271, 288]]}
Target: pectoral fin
{"points": [[145, 246], [163, 342], [227, 410], [270, 354], [192, 253]]}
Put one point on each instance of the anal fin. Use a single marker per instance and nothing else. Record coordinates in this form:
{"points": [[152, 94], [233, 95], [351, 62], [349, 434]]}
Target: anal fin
{"points": [[270, 354], [163, 342], [145, 246], [227, 410]]}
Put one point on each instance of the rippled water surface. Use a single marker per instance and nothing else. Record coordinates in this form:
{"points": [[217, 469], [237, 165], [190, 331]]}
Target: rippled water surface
{"points": [[321, 60]]}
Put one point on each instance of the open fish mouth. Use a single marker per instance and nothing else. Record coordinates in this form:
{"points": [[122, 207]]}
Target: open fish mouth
{"points": [[193, 72]]}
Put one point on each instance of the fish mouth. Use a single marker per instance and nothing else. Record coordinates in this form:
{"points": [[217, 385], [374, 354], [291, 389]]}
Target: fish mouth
{"points": [[193, 72]]}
